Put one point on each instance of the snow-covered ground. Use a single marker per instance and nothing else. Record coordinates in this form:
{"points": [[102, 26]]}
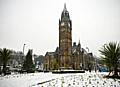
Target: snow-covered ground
{"points": [[58, 80]]}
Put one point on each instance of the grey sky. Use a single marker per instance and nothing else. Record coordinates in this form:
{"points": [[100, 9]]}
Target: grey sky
{"points": [[35, 23]]}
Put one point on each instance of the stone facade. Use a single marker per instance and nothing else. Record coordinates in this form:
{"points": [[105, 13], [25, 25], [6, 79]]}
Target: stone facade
{"points": [[80, 60]]}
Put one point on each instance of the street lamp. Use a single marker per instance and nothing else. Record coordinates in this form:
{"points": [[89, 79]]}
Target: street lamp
{"points": [[22, 58], [82, 64], [23, 48], [23, 54]]}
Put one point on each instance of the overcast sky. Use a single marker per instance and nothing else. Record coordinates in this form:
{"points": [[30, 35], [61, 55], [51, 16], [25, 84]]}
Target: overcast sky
{"points": [[35, 23]]}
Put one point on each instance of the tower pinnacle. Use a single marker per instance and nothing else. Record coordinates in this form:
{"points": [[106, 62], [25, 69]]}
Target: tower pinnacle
{"points": [[65, 14], [79, 41], [65, 6]]}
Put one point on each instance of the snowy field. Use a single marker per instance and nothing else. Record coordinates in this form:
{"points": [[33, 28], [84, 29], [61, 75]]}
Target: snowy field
{"points": [[58, 80]]}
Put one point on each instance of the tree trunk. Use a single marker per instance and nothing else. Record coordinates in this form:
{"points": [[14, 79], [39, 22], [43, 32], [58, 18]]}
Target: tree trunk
{"points": [[115, 72], [4, 69]]}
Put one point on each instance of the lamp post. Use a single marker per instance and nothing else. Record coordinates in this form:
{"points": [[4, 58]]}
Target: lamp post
{"points": [[88, 56], [23, 54], [23, 48], [22, 58], [82, 64]]}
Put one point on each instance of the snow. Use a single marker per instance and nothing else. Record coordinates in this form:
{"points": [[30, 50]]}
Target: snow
{"points": [[58, 80]]}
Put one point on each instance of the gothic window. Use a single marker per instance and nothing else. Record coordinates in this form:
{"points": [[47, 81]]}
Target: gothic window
{"points": [[63, 29], [61, 41]]}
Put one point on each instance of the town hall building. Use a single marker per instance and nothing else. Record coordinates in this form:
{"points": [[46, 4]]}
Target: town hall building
{"points": [[67, 56]]}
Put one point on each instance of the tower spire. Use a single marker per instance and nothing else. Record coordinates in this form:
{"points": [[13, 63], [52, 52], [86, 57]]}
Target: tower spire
{"points": [[79, 44], [79, 41], [65, 6]]}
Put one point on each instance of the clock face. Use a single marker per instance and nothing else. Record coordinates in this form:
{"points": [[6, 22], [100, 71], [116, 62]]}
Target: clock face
{"points": [[62, 24]]}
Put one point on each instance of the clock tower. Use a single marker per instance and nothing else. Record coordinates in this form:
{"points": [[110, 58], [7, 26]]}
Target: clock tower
{"points": [[65, 39]]}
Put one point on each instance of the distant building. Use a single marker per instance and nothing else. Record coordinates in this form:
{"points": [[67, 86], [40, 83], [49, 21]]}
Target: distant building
{"points": [[38, 60], [16, 60]]}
